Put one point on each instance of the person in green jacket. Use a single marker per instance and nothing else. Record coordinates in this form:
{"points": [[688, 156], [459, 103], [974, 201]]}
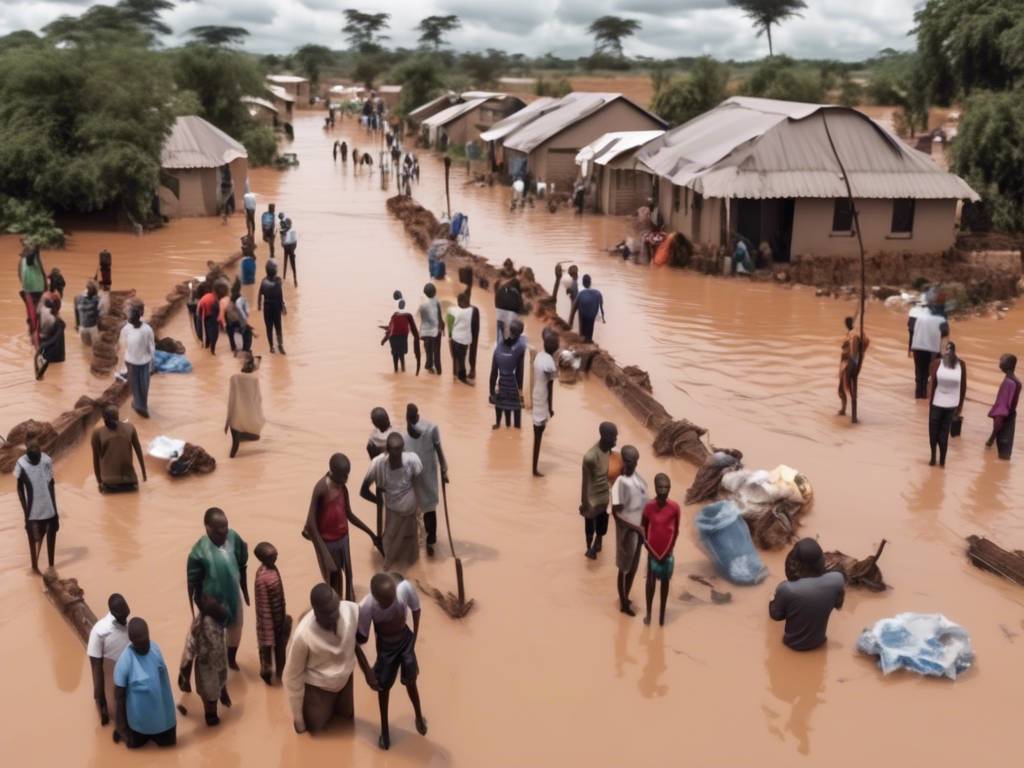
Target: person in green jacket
{"points": [[33, 284]]}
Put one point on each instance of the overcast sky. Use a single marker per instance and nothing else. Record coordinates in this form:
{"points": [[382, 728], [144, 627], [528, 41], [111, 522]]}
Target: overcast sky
{"points": [[839, 29]]}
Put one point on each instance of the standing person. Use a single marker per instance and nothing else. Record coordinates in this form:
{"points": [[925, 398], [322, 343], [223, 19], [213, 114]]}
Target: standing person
{"points": [[947, 389], [87, 313], [51, 339], [245, 405], [334, 151], [431, 327], [38, 498], [139, 345], [344, 151], [249, 203], [393, 472], [226, 205], [32, 279], [113, 443], [807, 603], [57, 282], [508, 298], [461, 333], [378, 439], [387, 608], [268, 222], [142, 689], [588, 303], [209, 310], [424, 439], [595, 492], [216, 567], [1004, 411], [241, 306], [271, 300], [273, 624], [850, 361], [327, 526], [289, 242], [106, 263], [572, 290], [629, 498], [397, 333], [544, 374], [206, 651], [927, 333], [107, 640], [660, 522], [507, 370], [321, 658]]}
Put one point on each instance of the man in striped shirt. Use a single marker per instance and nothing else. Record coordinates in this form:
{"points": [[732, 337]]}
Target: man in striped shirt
{"points": [[273, 625]]}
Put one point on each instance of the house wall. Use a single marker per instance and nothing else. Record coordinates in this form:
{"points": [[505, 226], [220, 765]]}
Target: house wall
{"points": [[300, 91], [199, 190], [699, 220], [934, 228], [627, 190]]}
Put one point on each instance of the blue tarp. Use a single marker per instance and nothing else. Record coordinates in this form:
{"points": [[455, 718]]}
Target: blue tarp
{"points": [[167, 362], [725, 537], [926, 643]]}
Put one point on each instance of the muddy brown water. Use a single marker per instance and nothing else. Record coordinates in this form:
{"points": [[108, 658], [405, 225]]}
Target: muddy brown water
{"points": [[545, 671]]}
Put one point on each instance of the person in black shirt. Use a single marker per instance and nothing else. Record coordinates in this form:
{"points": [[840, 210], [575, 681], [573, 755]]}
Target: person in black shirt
{"points": [[806, 603], [271, 301]]}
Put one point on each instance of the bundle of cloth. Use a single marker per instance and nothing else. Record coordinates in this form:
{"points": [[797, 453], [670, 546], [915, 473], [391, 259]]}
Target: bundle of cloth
{"points": [[708, 481], [770, 502], [864, 574]]}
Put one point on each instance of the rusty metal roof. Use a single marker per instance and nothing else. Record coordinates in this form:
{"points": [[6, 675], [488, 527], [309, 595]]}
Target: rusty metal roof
{"points": [[762, 148], [195, 143]]}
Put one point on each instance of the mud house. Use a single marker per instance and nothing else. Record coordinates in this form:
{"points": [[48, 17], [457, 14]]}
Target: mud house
{"points": [[295, 86], [283, 101], [448, 99], [547, 145], [390, 94], [615, 185], [195, 160], [766, 169], [492, 138], [261, 110], [464, 122]]}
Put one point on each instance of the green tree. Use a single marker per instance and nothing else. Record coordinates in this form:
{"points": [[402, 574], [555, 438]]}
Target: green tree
{"points": [[311, 60], [682, 99], [610, 31], [219, 77], [421, 78], [779, 77], [260, 143], [433, 29], [484, 69], [557, 88], [214, 35], [851, 92], [766, 14], [363, 30]]}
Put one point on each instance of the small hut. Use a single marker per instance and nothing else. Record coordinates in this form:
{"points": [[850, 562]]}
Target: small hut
{"points": [[197, 159]]}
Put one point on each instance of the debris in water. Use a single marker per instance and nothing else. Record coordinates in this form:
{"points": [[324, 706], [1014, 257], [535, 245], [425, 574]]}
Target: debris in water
{"points": [[449, 603], [991, 557]]}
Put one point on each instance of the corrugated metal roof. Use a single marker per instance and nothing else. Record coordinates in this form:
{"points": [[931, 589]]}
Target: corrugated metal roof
{"points": [[761, 148], [422, 108], [531, 111], [195, 143], [453, 112], [286, 79], [280, 93], [612, 145], [258, 102], [570, 110]]}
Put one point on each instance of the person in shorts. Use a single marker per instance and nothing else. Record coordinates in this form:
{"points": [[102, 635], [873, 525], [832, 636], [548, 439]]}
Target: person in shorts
{"points": [[595, 493], [660, 523]]}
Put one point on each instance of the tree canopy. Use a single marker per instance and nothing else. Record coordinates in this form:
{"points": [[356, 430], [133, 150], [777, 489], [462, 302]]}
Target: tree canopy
{"points": [[214, 35], [433, 29], [681, 99], [766, 14], [779, 77], [610, 31], [310, 60], [364, 30]]}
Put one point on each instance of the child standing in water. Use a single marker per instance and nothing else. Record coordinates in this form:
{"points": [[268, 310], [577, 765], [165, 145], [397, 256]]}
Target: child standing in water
{"points": [[273, 625], [660, 523], [397, 333], [206, 648]]}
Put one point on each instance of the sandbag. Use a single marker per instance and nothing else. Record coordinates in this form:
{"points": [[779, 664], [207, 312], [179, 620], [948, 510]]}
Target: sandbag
{"points": [[726, 540], [926, 643]]}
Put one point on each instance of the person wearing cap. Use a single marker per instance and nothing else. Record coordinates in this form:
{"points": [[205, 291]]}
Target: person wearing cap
{"points": [[806, 603]]}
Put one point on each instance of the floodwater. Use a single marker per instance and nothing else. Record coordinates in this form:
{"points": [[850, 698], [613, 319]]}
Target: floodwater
{"points": [[545, 670]]}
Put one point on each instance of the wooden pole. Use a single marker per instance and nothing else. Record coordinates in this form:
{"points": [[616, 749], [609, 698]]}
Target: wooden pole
{"points": [[447, 192]]}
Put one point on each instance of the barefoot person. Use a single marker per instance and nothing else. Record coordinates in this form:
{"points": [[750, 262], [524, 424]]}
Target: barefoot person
{"points": [[273, 624], [245, 405], [629, 497], [588, 304], [216, 567], [394, 473], [387, 608], [34, 474], [206, 652], [142, 689], [113, 443], [1004, 411], [268, 222], [595, 492], [271, 301], [327, 526], [850, 361], [321, 658], [544, 374], [807, 603], [431, 327], [87, 313], [424, 439], [107, 640], [660, 524], [460, 332], [396, 334]]}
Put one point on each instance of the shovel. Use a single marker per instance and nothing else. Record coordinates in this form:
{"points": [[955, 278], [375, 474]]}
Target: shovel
{"points": [[455, 606]]}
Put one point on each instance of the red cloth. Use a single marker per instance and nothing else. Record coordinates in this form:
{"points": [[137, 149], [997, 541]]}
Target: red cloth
{"points": [[399, 325], [207, 306], [661, 524], [269, 605], [332, 517]]}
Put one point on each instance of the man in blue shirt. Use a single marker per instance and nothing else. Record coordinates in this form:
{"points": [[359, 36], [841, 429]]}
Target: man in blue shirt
{"points": [[588, 303], [142, 689]]}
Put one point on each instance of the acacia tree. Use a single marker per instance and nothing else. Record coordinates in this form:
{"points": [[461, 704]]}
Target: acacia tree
{"points": [[311, 59], [433, 29], [610, 31], [363, 30], [221, 36], [768, 13]]}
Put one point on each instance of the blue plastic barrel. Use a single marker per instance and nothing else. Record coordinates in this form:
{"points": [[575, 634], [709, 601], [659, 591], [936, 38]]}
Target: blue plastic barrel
{"points": [[248, 270], [725, 537]]}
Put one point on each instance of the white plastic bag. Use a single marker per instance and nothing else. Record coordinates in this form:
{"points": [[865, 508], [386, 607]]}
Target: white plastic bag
{"points": [[926, 643], [163, 447]]}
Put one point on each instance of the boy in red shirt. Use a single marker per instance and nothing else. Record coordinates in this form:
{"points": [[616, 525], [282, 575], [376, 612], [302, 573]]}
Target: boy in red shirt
{"points": [[661, 529]]}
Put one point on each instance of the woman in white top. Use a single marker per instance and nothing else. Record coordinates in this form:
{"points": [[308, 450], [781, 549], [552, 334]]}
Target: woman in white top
{"points": [[461, 335], [948, 387], [139, 344]]}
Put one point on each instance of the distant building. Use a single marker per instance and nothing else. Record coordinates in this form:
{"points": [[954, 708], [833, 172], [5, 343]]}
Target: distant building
{"points": [[283, 101], [390, 94], [464, 122], [493, 137], [765, 169], [615, 185], [195, 160], [296, 87], [450, 98], [261, 110]]}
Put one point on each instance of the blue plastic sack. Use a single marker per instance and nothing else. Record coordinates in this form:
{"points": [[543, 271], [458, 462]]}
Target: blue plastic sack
{"points": [[725, 537], [437, 269], [168, 362], [248, 270], [926, 643]]}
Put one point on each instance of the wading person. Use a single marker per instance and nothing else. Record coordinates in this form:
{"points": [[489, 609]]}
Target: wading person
{"points": [[327, 526], [807, 603], [397, 333], [216, 567], [241, 318], [947, 389], [139, 345], [378, 439], [928, 331], [850, 361], [32, 279], [321, 658], [57, 282], [507, 371], [588, 304], [1004, 411], [107, 640], [209, 314], [206, 653], [113, 444], [387, 608], [268, 222], [87, 313], [273, 624], [394, 472], [245, 405], [289, 242], [249, 203], [51, 339], [344, 151], [271, 301], [508, 298], [38, 498], [544, 374], [660, 523], [106, 263], [424, 439], [595, 492], [431, 327], [460, 319], [629, 498], [142, 689]]}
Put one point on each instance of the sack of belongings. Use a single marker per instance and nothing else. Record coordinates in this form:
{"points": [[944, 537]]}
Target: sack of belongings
{"points": [[726, 540], [926, 643], [770, 502], [709, 477], [167, 362]]}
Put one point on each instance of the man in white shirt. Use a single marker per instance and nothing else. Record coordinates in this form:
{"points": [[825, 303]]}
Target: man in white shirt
{"points": [[107, 640], [393, 472], [629, 496], [321, 657], [249, 202], [289, 242], [139, 345], [544, 374]]}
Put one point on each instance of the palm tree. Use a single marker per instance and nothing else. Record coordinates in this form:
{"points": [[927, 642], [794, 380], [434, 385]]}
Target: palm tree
{"points": [[766, 13], [610, 31], [433, 29]]}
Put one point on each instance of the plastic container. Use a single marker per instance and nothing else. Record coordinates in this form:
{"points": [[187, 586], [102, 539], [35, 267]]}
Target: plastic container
{"points": [[248, 270], [726, 540]]}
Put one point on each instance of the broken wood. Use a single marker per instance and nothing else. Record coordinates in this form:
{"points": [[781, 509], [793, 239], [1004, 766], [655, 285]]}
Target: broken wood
{"points": [[989, 556], [70, 601]]}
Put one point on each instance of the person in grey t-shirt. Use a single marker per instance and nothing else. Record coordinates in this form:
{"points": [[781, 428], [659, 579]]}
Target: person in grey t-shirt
{"points": [[807, 603]]}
